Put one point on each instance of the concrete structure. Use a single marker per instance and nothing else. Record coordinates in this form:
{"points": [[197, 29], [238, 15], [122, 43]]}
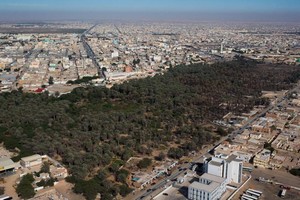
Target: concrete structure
{"points": [[58, 172], [216, 167], [262, 159], [209, 187], [114, 54], [6, 166], [30, 161], [228, 167]]}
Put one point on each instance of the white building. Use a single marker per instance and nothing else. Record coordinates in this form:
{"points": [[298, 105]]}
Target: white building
{"points": [[157, 58], [243, 156], [215, 167], [115, 54], [30, 161], [228, 167], [24, 37], [209, 187]]}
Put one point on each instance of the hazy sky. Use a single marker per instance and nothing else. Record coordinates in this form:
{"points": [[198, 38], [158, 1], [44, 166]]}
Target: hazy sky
{"points": [[165, 9]]}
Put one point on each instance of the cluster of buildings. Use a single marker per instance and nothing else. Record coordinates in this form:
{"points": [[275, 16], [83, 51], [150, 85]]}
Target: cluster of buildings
{"points": [[32, 164], [38, 57], [129, 51], [219, 171], [271, 141]]}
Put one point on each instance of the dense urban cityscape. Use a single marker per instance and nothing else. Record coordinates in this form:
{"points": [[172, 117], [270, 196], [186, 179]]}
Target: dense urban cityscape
{"points": [[113, 53], [149, 110]]}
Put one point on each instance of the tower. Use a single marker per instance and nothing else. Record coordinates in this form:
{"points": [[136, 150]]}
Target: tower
{"points": [[229, 168], [222, 47]]}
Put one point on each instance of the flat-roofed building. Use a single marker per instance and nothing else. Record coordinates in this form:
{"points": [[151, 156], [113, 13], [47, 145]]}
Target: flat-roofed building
{"points": [[215, 167], [229, 167], [6, 166], [209, 187], [30, 161], [262, 159], [58, 172], [233, 169]]}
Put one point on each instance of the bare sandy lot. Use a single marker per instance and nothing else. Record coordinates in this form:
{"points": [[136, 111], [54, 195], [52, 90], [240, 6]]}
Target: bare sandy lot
{"points": [[272, 191], [65, 189]]}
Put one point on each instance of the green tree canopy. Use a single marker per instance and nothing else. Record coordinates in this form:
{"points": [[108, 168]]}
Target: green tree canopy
{"points": [[25, 188], [144, 163]]}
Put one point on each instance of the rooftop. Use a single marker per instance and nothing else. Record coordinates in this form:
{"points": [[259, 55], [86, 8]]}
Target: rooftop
{"points": [[231, 158], [214, 183], [213, 178], [31, 158], [208, 188], [6, 163], [215, 163]]}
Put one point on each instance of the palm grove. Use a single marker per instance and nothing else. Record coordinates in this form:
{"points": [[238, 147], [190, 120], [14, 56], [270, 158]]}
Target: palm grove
{"points": [[95, 130]]}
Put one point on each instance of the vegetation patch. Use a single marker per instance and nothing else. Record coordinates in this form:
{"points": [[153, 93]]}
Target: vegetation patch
{"points": [[98, 129], [85, 79], [25, 188], [295, 171]]}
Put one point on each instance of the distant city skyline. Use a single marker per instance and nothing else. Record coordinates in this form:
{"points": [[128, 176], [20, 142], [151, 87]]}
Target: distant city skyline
{"points": [[266, 10]]}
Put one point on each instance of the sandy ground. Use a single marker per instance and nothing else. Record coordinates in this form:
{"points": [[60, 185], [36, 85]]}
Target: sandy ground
{"points": [[61, 88], [9, 183], [277, 175], [5, 153], [65, 189], [270, 191]]}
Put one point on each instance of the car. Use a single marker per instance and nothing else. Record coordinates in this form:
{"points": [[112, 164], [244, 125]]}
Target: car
{"points": [[166, 194], [149, 190], [285, 187]]}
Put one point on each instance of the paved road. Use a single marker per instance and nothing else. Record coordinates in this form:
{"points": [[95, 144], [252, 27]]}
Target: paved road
{"points": [[163, 182], [90, 52], [29, 57]]}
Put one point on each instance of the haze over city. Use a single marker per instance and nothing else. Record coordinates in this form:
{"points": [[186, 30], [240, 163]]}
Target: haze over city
{"points": [[183, 10]]}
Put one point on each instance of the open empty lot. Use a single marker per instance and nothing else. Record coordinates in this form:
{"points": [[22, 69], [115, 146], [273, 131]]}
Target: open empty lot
{"points": [[271, 191]]}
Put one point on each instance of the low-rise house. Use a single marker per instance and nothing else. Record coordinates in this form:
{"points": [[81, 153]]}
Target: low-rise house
{"points": [[6, 166], [256, 135], [58, 172], [30, 161], [262, 159]]}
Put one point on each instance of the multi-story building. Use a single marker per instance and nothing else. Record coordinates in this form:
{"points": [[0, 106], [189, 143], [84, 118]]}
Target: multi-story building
{"points": [[228, 167], [209, 187]]}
